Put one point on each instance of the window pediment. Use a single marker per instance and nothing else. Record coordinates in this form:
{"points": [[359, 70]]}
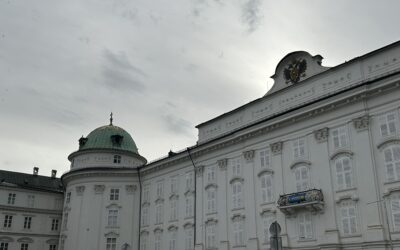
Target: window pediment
{"points": [[25, 240], [236, 217], [111, 234], [388, 141], [266, 211], [172, 228], [300, 163], [346, 197], [159, 200], [6, 239], [211, 221], [236, 179], [265, 171], [158, 229], [188, 225], [341, 152], [389, 191], [52, 242], [173, 196], [211, 185]]}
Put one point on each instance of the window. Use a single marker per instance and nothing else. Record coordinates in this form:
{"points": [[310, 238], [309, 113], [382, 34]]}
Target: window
{"points": [[238, 232], [344, 175], [174, 184], [189, 206], [211, 200], [146, 193], [348, 216], [237, 192], [160, 189], [266, 188], [395, 207], [31, 200], [305, 226], [112, 220], [7, 221], [189, 181], [211, 174], [392, 162], [68, 198], [339, 137], [211, 241], [111, 244], [11, 198], [265, 158], [145, 216], [62, 243], [302, 178], [267, 220], [299, 148], [117, 159], [236, 167], [54, 224], [3, 245], [24, 246], [52, 247], [189, 239], [159, 213], [114, 194], [143, 241], [387, 124], [174, 209], [65, 223], [172, 241], [157, 240], [27, 222]]}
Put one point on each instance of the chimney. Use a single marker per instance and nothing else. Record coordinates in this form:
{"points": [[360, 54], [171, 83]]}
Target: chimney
{"points": [[53, 173], [35, 170]]}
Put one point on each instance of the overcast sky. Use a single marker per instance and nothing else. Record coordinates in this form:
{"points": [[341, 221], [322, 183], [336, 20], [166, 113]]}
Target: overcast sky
{"points": [[160, 66]]}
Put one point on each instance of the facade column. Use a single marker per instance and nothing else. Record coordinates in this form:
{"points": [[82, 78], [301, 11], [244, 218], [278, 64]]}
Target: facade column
{"points": [[200, 227], [222, 232], [250, 202]]}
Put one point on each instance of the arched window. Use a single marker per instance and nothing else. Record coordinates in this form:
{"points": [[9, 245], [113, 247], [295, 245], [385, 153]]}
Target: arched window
{"points": [[302, 178], [266, 187], [392, 162], [237, 194], [344, 173], [157, 240]]}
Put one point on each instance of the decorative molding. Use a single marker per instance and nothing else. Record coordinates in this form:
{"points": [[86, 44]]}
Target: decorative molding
{"points": [[265, 171], [52, 241], [113, 205], [341, 152], [172, 227], [346, 197], [389, 191], [6, 239], [80, 190], [159, 200], [321, 135], [130, 189], [248, 155], [267, 210], [25, 240], [361, 123], [111, 234], [158, 229], [144, 231], [222, 164], [199, 171], [388, 141], [211, 185], [236, 178], [300, 162], [237, 216], [188, 225], [99, 189], [189, 192], [211, 220], [174, 196], [276, 148]]}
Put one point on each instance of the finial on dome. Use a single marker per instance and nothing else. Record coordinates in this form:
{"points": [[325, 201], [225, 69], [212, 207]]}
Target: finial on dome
{"points": [[111, 119]]}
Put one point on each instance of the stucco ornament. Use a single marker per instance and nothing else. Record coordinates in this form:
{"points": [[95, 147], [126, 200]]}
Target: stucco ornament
{"points": [[295, 70]]}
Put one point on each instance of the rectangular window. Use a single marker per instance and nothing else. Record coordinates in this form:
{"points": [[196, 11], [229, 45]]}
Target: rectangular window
{"points": [[305, 226], [267, 220], [174, 184], [211, 200], [24, 246], [237, 192], [11, 198], [68, 198], [174, 209], [111, 244], [54, 224], [189, 206], [172, 241], [387, 124], [157, 240], [31, 200], [265, 158], [189, 239], [159, 213], [27, 222], [112, 219], [392, 162], [117, 159], [211, 177], [302, 178], [160, 189], [299, 148], [349, 222], [145, 216], [189, 181], [339, 137], [238, 233], [114, 194], [266, 188], [65, 222], [52, 247], [8, 221], [236, 167], [395, 207], [3, 245], [344, 175], [143, 242], [146, 193], [211, 241]]}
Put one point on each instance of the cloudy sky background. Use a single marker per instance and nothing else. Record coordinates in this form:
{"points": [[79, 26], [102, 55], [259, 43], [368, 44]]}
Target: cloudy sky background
{"points": [[161, 66]]}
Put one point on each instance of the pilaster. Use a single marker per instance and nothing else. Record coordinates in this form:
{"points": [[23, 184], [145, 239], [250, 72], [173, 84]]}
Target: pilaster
{"points": [[222, 225], [199, 170]]}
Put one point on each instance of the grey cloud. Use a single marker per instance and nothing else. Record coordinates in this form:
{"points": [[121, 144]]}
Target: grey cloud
{"points": [[177, 125], [251, 14]]}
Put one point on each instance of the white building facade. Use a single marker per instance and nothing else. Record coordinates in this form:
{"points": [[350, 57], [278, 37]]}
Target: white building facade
{"points": [[319, 154]]}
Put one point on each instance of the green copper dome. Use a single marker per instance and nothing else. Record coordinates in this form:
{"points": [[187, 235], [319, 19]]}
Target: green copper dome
{"points": [[108, 137]]}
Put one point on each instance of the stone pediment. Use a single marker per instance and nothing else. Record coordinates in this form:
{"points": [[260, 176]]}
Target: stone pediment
{"points": [[294, 68]]}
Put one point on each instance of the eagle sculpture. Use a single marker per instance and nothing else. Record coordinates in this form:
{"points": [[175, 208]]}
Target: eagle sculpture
{"points": [[295, 70]]}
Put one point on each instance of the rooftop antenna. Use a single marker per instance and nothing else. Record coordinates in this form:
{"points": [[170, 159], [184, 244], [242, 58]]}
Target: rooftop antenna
{"points": [[111, 119]]}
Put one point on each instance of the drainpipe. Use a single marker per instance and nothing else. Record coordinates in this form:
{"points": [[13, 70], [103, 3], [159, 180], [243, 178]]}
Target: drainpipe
{"points": [[195, 197], [140, 206]]}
